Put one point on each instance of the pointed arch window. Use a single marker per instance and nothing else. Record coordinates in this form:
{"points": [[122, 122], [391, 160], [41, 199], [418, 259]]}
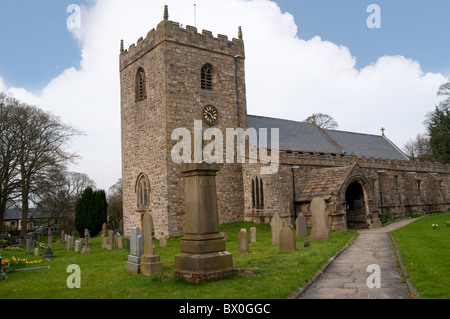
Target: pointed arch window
{"points": [[257, 192], [143, 192], [140, 85], [206, 77]]}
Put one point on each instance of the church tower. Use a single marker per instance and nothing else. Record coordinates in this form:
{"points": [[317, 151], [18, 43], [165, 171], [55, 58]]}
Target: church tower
{"points": [[170, 79]]}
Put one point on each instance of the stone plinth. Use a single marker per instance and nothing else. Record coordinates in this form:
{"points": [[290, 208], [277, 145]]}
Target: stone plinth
{"points": [[203, 254]]}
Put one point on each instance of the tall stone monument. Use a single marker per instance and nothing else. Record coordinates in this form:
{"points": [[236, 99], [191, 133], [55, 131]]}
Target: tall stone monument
{"points": [[150, 263], [49, 251], [86, 249], [319, 220], [203, 254]]}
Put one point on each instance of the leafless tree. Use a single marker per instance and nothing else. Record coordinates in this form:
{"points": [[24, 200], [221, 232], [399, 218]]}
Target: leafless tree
{"points": [[324, 121], [38, 140]]}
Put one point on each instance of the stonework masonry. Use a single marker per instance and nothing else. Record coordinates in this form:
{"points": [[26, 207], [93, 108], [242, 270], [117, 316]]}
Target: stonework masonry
{"points": [[171, 97]]}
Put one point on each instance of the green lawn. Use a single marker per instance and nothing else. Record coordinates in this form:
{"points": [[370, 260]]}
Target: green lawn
{"points": [[263, 273], [426, 255]]}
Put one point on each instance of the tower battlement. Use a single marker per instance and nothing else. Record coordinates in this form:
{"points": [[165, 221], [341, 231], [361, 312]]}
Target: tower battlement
{"points": [[173, 32]]}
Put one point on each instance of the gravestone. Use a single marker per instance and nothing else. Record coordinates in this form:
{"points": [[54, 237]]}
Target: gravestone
{"points": [[243, 241], [68, 242], [110, 241], [136, 250], [319, 220], [301, 226], [163, 242], [86, 249], [276, 224], [306, 243], [253, 234], [118, 241], [62, 240], [36, 252], [121, 226], [287, 240], [150, 263], [104, 230], [30, 245], [49, 252], [203, 254], [77, 246]]}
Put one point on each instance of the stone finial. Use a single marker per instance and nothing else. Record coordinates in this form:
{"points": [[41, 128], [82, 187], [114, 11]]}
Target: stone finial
{"points": [[121, 50], [166, 13], [240, 33], [382, 131]]}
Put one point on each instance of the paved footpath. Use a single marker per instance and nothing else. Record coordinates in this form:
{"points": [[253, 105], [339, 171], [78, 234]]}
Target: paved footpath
{"points": [[346, 277]]}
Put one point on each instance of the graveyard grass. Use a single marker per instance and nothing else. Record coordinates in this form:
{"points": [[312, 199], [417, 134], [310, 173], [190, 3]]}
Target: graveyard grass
{"points": [[426, 255], [264, 272]]}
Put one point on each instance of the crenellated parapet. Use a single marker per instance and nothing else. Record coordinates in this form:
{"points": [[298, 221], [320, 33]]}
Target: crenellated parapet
{"points": [[173, 32]]}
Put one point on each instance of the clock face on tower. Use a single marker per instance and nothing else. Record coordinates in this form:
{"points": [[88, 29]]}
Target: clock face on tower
{"points": [[210, 114]]}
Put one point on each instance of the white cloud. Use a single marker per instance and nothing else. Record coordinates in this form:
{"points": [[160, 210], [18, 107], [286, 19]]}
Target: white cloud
{"points": [[286, 76]]}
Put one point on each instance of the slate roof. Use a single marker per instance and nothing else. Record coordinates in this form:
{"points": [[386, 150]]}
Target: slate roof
{"points": [[324, 183], [16, 214], [304, 137]]}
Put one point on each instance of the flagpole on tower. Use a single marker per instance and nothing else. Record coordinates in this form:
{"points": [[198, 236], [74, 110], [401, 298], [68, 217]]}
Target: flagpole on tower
{"points": [[195, 15]]}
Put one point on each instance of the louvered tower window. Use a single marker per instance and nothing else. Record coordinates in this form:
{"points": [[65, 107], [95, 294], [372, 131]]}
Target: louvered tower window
{"points": [[206, 77]]}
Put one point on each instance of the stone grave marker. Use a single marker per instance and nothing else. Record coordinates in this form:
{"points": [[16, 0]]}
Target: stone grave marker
{"points": [[62, 240], [301, 226], [104, 230], [110, 242], [253, 234], [287, 240], [243, 241], [118, 241], [77, 246], [276, 224], [136, 250], [36, 251], [30, 245], [86, 249], [319, 220], [49, 251], [163, 242], [150, 263], [68, 242]]}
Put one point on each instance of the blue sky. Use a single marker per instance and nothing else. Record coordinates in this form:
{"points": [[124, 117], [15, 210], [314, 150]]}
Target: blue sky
{"points": [[373, 78], [35, 45]]}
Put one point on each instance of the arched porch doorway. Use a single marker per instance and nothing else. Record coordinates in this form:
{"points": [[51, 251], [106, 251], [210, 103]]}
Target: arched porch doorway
{"points": [[356, 209]]}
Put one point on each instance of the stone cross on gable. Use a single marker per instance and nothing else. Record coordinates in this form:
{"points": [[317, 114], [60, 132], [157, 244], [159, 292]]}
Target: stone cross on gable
{"points": [[382, 131]]}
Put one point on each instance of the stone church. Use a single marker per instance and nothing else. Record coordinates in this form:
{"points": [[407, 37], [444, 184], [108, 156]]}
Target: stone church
{"points": [[175, 76]]}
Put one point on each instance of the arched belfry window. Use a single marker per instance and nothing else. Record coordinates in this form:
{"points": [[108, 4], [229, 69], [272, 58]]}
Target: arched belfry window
{"points": [[257, 192], [143, 192], [140, 85], [206, 77]]}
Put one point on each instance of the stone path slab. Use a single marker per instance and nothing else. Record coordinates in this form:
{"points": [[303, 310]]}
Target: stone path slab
{"points": [[346, 277]]}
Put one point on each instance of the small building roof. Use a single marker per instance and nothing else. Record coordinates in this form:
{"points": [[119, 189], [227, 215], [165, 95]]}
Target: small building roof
{"points": [[324, 183]]}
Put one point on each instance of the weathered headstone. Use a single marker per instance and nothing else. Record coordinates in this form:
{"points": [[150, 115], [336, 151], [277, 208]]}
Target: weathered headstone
{"points": [[287, 240], [62, 240], [77, 246], [118, 241], [30, 245], [69, 242], [150, 263], [301, 226], [86, 249], [243, 241], [203, 254], [49, 252], [110, 242], [306, 243], [121, 226], [163, 242], [253, 234], [36, 251], [104, 230], [276, 224], [136, 250], [319, 220]]}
